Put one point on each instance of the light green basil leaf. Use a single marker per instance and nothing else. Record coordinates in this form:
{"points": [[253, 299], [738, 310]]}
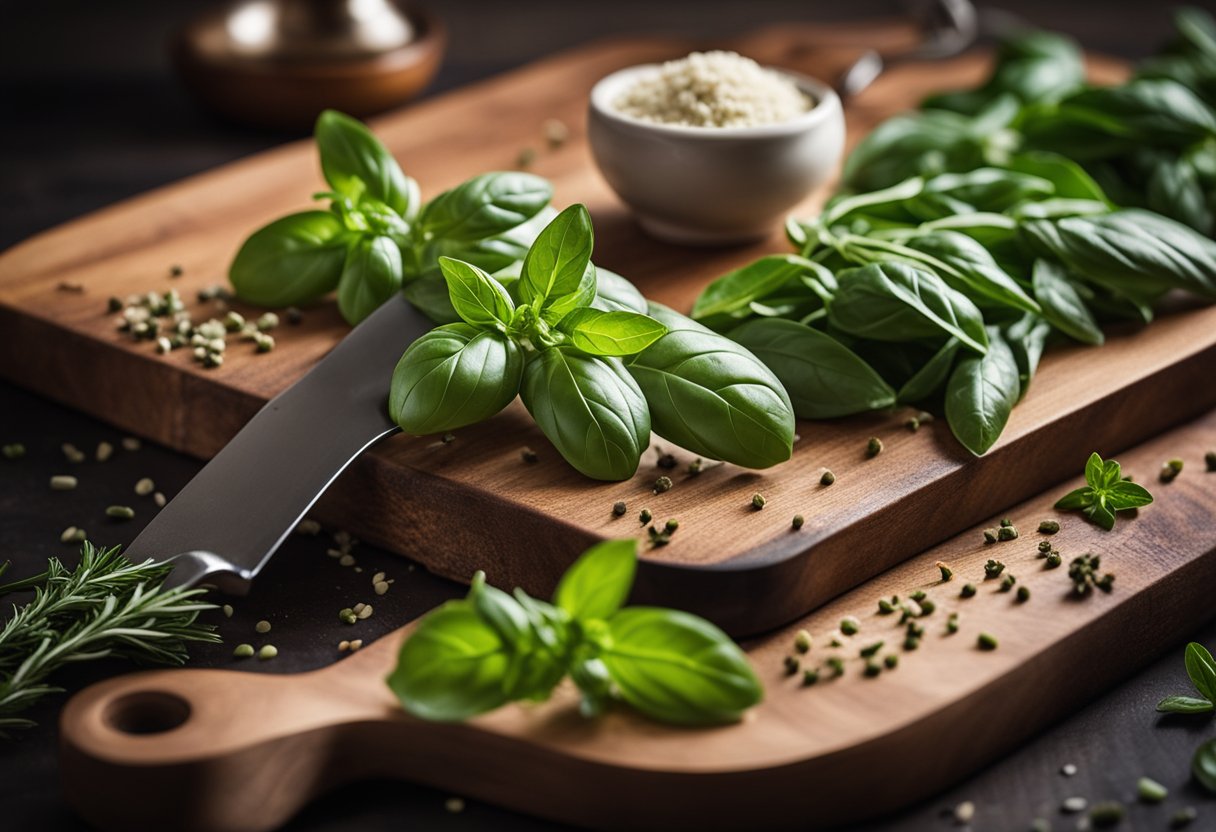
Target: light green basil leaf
{"points": [[293, 260], [1062, 305], [1069, 180], [1094, 466], [1184, 705], [1159, 111], [981, 393], [971, 269], [1078, 498], [906, 146], [452, 666], [735, 290], [895, 302], [1124, 495], [533, 670], [598, 583], [824, 378], [711, 396], [371, 276], [478, 299], [930, 377], [983, 190], [590, 408], [453, 376], [556, 266], [611, 333], [356, 164], [485, 206], [678, 668], [1201, 668], [593, 682]]}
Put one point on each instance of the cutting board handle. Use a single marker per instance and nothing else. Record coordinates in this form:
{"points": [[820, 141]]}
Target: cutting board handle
{"points": [[204, 750]]}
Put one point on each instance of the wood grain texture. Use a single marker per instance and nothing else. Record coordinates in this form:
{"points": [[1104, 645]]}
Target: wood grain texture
{"points": [[255, 747], [473, 503]]}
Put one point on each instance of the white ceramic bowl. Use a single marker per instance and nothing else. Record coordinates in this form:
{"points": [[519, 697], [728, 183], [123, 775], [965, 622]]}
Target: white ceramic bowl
{"points": [[713, 185]]}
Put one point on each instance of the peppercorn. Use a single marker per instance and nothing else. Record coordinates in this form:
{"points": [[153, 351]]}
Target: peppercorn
{"points": [[827, 478], [619, 508], [873, 447]]}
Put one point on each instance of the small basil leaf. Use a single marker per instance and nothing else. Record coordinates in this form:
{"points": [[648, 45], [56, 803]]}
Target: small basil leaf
{"points": [[556, 264], [590, 408], [895, 302], [1079, 498], [371, 276], [453, 665], [1202, 669], [611, 333], [1184, 705], [970, 268], [478, 298], [485, 206], [824, 378], [1124, 495], [981, 393], [614, 293], [1203, 765], [532, 671], [711, 396], [598, 583], [1069, 179], [1062, 305], [1100, 514], [931, 376], [356, 164], [735, 290], [1112, 473], [678, 668], [1094, 467], [454, 376], [293, 260]]}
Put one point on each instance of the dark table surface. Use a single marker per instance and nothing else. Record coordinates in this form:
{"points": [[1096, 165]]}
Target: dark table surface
{"points": [[93, 114]]}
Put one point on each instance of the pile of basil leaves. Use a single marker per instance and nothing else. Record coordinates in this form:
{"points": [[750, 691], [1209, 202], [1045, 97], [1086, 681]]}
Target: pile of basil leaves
{"points": [[971, 234]]}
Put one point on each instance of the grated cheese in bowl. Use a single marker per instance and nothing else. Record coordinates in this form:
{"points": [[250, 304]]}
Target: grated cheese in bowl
{"points": [[714, 89]]}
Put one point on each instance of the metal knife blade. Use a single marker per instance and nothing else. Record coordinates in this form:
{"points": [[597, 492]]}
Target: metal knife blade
{"points": [[228, 521]]}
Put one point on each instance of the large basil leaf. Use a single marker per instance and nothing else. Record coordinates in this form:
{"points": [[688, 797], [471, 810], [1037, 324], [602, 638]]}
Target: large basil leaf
{"points": [[981, 393], [906, 146], [478, 299], [598, 583], [1062, 305], [1069, 179], [492, 253], [371, 276], [824, 378], [610, 333], [1032, 66], [555, 270], [895, 302], [453, 666], [1134, 252], [735, 290], [1027, 338], [971, 269], [678, 668], [931, 376], [293, 260], [1158, 111], [453, 376], [485, 206], [356, 164], [614, 293], [590, 408], [711, 396]]}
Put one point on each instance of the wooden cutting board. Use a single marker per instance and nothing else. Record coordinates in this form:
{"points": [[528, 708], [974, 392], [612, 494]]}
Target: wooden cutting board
{"points": [[211, 750], [473, 503]]}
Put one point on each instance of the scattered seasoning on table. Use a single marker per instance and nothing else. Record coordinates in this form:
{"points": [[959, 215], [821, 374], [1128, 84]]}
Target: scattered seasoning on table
{"points": [[120, 512], [849, 625], [1023, 594], [1007, 582], [525, 158], [797, 522], [810, 676], [964, 813], [827, 478], [72, 288], [947, 572], [644, 516], [1040, 825], [1170, 470], [658, 538], [308, 526], [792, 665], [836, 664], [144, 487], [873, 447], [73, 454], [556, 133], [891, 661], [758, 501], [695, 467], [662, 485], [871, 669], [967, 591], [666, 461], [347, 615], [130, 443], [243, 651], [802, 641], [993, 568], [1068, 769], [1083, 572], [1045, 548], [13, 450], [1049, 526], [1183, 818], [1074, 804], [1053, 560], [886, 607], [952, 623], [262, 627], [870, 649], [1106, 815], [454, 805], [227, 610], [528, 455], [72, 535], [104, 451], [1007, 532], [912, 424], [1150, 791], [268, 651], [159, 499], [176, 271], [1209, 459], [986, 641], [294, 315], [927, 606], [989, 536]]}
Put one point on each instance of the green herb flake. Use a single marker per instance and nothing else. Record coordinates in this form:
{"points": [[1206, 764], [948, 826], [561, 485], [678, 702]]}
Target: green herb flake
{"points": [[797, 522], [827, 478], [662, 485], [1009, 532], [989, 536], [1007, 582], [1107, 814], [891, 661], [528, 455], [1150, 791], [1184, 817], [986, 641], [993, 569], [1049, 526], [870, 649], [968, 591], [946, 572], [1053, 560], [802, 641], [791, 664], [120, 512], [758, 502], [619, 508], [810, 676], [1209, 460], [644, 516], [849, 625], [871, 669], [243, 651], [1023, 594], [873, 447]]}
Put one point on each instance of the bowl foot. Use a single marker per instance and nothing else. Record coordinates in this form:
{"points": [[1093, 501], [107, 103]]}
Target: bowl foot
{"points": [[692, 235]]}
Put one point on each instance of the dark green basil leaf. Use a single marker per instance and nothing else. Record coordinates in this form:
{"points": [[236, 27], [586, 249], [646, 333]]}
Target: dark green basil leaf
{"points": [[477, 298], [293, 260], [1201, 668], [970, 269], [678, 668], [614, 293], [1174, 191], [1184, 705], [1159, 111], [611, 333], [1067, 177], [1062, 306], [1100, 514], [906, 146], [1124, 495], [895, 302], [981, 393], [930, 377], [532, 669], [990, 190], [590, 408], [735, 290], [598, 583], [495, 253], [485, 206], [1027, 337], [711, 396], [556, 265], [453, 665], [824, 378], [1131, 251], [371, 276], [356, 164], [1032, 66], [1078, 498], [453, 376], [429, 293]]}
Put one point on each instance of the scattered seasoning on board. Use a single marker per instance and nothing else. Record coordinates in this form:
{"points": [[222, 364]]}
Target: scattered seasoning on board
{"points": [[556, 133], [243, 651], [952, 623], [1007, 582], [1083, 572], [1049, 526], [268, 651], [797, 522], [836, 664], [73, 454], [262, 627], [967, 591], [159, 499], [891, 661], [947, 572], [665, 461], [1209, 459], [986, 641], [1023, 594], [792, 665], [849, 625], [619, 508], [827, 478], [810, 676], [104, 451], [886, 607], [130, 443], [72, 535], [1007, 532], [528, 455], [662, 485], [120, 512], [1106, 815], [758, 501], [1170, 470], [309, 527], [989, 536], [695, 467], [871, 669], [1150, 791], [1183, 818], [227, 610], [1053, 560], [912, 424], [873, 447], [802, 641], [644, 516], [144, 487], [525, 158], [993, 569]]}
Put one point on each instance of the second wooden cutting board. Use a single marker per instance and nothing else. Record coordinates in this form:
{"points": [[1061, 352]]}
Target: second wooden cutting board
{"points": [[473, 503]]}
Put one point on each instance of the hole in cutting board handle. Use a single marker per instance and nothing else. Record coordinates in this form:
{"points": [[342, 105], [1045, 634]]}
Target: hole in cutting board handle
{"points": [[147, 712]]}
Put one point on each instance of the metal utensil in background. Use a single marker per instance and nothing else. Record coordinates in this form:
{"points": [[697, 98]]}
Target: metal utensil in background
{"points": [[228, 521]]}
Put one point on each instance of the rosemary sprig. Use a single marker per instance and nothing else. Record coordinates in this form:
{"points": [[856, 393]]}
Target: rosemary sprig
{"points": [[107, 606]]}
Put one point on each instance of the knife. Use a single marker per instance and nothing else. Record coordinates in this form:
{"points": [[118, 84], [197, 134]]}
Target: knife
{"points": [[228, 521]]}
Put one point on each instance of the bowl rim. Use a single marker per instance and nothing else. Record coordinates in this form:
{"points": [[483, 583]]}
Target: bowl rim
{"points": [[827, 107]]}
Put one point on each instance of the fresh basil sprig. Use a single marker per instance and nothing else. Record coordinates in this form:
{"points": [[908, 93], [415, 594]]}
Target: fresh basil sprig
{"points": [[594, 365], [1201, 667], [378, 237], [1105, 492], [477, 654]]}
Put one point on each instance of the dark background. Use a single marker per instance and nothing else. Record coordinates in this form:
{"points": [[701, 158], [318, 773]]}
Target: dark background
{"points": [[91, 113]]}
